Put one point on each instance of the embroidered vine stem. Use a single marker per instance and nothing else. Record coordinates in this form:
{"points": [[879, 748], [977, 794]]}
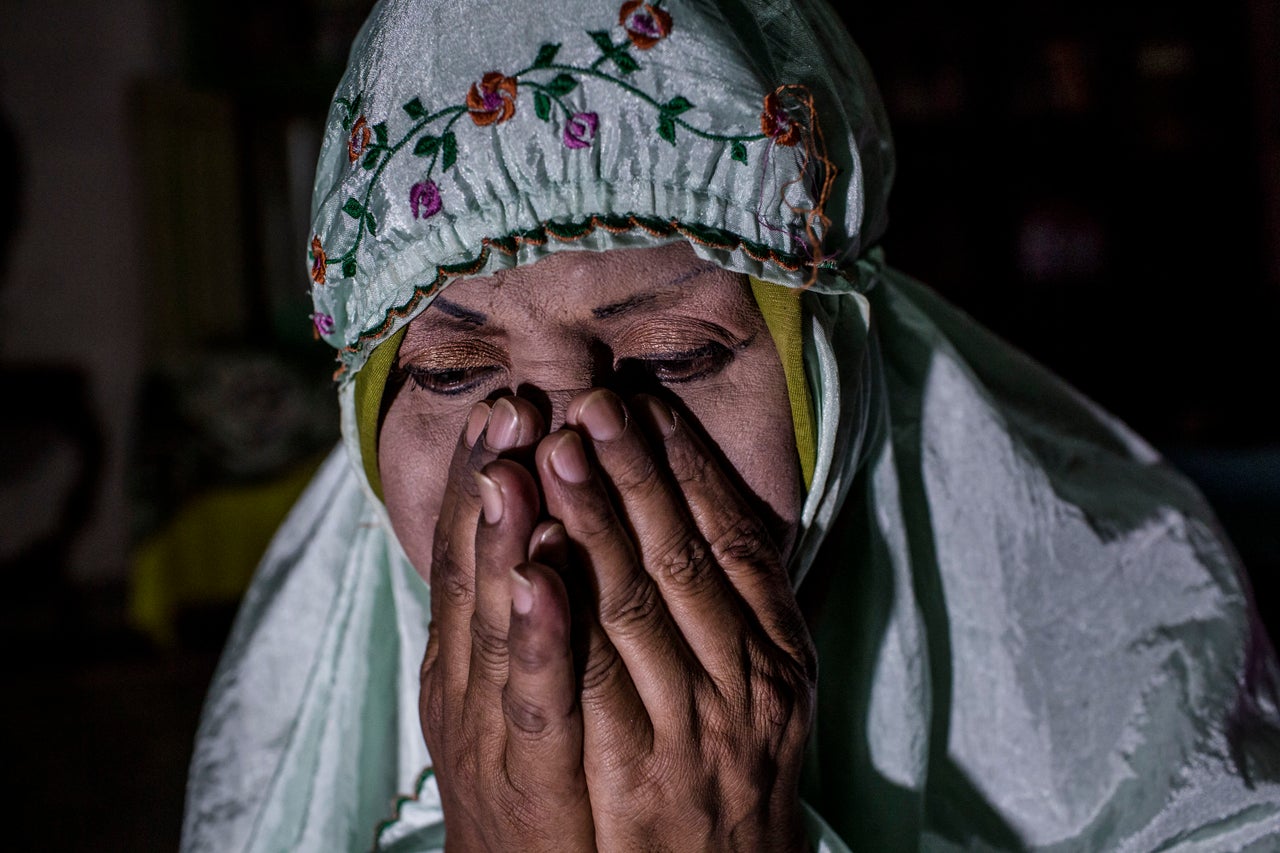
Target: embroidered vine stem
{"points": [[492, 101], [457, 112], [645, 96]]}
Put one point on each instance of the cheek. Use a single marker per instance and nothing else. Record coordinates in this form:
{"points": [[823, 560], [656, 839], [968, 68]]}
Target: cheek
{"points": [[414, 452], [747, 413]]}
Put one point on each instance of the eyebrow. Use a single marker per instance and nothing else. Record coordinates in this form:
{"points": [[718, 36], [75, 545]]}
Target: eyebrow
{"points": [[457, 312], [636, 300]]}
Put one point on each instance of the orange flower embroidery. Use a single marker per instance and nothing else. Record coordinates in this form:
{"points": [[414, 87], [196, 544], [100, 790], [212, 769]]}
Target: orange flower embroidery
{"points": [[359, 141], [318, 260], [776, 122], [645, 23], [493, 99]]}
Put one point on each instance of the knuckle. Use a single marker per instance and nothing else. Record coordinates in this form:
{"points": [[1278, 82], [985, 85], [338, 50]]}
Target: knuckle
{"points": [[526, 715], [602, 669], [635, 472], [689, 466], [488, 645], [448, 577], [684, 559], [744, 540], [632, 606]]}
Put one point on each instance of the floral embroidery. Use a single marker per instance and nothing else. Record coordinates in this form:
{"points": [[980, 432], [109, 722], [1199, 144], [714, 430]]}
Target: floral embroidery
{"points": [[317, 260], [776, 122], [424, 199], [323, 323], [493, 99], [359, 140], [580, 129], [646, 23]]}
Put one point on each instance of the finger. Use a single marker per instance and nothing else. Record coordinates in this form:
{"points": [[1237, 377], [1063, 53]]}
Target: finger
{"points": [[703, 604], [453, 552], [452, 559], [740, 543], [611, 708], [539, 703], [509, 498], [628, 605], [549, 545]]}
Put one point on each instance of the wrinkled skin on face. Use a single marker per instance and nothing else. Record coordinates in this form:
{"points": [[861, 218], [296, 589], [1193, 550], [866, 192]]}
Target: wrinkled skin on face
{"points": [[591, 460]]}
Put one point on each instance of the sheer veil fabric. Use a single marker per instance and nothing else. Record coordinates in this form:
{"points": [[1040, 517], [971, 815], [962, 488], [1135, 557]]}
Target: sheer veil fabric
{"points": [[1031, 632]]}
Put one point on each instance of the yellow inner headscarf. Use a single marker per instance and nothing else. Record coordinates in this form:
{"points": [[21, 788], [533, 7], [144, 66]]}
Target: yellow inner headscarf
{"points": [[782, 315]]}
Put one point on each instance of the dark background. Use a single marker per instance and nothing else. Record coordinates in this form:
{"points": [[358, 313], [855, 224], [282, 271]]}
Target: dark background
{"points": [[1098, 182]]}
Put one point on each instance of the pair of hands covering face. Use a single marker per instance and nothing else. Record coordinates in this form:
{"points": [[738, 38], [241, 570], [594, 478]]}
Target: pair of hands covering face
{"points": [[668, 707]]}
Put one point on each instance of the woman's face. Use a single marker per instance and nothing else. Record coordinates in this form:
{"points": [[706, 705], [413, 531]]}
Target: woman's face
{"points": [[657, 320]]}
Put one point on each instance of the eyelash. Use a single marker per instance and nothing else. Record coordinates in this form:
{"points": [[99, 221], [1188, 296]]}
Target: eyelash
{"points": [[448, 382], [669, 369], [689, 366]]}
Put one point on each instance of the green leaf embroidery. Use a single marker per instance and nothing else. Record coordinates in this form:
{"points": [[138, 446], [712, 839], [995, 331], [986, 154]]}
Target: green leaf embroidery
{"points": [[667, 129], [426, 146], [448, 151], [738, 151], [542, 106], [370, 159], [562, 85], [351, 108], [602, 40], [371, 222], [677, 105], [353, 208], [624, 62], [349, 268], [546, 55], [380, 131], [415, 109]]}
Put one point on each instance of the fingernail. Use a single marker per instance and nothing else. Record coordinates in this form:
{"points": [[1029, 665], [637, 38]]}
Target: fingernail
{"points": [[661, 416], [568, 460], [490, 497], [521, 593], [504, 426], [476, 420], [601, 415], [550, 545]]}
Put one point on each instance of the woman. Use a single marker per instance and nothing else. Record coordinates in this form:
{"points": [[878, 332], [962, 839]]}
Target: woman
{"points": [[671, 382]]}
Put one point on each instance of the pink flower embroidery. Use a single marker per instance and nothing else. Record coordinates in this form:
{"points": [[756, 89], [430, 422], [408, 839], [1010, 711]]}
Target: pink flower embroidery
{"points": [[424, 199], [493, 99], [776, 122], [580, 130], [645, 23], [317, 261], [323, 324], [359, 141]]}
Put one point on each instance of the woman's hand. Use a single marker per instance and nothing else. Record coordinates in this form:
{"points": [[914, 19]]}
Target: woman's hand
{"points": [[499, 702], [698, 686]]}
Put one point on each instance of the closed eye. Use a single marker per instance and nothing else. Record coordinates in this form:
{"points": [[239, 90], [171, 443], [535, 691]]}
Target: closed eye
{"points": [[449, 381], [687, 366]]}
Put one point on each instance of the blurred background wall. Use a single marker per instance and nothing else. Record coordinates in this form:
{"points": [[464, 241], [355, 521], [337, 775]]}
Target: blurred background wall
{"points": [[1098, 182]]}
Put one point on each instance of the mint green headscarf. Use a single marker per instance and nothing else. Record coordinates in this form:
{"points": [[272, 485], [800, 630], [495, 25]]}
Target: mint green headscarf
{"points": [[1031, 633]]}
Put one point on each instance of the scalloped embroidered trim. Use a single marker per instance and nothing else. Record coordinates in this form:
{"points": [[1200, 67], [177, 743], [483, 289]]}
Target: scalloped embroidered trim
{"points": [[399, 803], [568, 232]]}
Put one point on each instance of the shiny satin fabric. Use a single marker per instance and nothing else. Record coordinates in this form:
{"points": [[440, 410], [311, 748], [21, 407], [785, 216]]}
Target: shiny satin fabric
{"points": [[1031, 633]]}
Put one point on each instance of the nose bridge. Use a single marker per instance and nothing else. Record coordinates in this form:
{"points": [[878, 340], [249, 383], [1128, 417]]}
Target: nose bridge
{"points": [[553, 379]]}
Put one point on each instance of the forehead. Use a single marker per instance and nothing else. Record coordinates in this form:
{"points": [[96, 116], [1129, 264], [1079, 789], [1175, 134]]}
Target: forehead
{"points": [[596, 285]]}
